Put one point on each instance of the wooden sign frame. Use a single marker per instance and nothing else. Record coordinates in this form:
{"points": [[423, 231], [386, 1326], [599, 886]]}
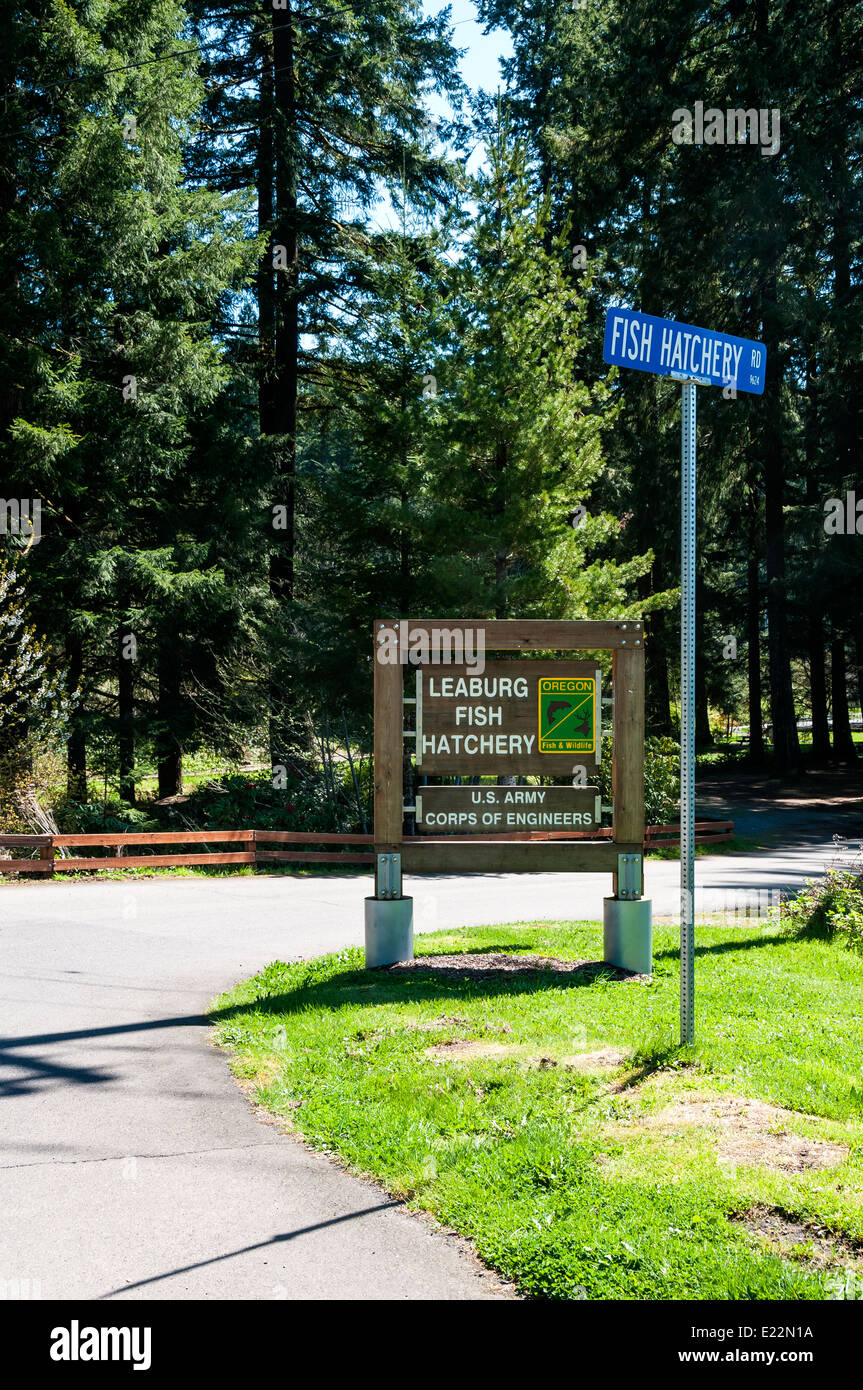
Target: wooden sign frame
{"points": [[426, 855]]}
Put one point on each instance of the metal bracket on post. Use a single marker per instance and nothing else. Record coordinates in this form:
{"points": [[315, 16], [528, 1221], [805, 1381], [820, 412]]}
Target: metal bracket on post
{"points": [[629, 876], [389, 916], [388, 876], [627, 919]]}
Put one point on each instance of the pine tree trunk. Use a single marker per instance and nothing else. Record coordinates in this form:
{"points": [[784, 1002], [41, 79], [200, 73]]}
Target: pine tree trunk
{"points": [[265, 279], [786, 747], [279, 406], [76, 764], [843, 743], [169, 752], [845, 404], [500, 560], [287, 346], [505, 779], [658, 690], [126, 712], [76, 746], [818, 691], [703, 736], [753, 653], [265, 285], [858, 660], [11, 253], [404, 555]]}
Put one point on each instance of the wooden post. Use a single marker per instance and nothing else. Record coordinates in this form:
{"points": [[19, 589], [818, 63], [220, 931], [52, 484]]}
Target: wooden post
{"points": [[389, 930], [388, 752], [628, 741], [47, 852]]}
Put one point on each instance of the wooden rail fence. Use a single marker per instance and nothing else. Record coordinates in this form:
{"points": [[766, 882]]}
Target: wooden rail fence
{"points": [[298, 846]]}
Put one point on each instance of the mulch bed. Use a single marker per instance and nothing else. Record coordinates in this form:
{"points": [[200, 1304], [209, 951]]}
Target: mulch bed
{"points": [[479, 968]]}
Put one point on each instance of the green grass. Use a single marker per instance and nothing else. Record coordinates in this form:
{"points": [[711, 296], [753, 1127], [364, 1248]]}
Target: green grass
{"points": [[563, 1179]]}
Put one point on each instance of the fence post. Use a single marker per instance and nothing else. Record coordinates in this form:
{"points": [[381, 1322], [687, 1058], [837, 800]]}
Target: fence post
{"points": [[47, 852]]}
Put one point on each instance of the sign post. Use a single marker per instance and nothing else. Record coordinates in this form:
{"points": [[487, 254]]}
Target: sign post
{"points": [[687, 713], [694, 357]]}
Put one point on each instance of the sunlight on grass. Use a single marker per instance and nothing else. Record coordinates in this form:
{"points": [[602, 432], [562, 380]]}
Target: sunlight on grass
{"points": [[529, 1112]]}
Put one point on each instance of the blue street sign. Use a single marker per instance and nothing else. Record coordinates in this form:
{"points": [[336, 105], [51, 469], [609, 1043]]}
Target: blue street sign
{"points": [[677, 349]]}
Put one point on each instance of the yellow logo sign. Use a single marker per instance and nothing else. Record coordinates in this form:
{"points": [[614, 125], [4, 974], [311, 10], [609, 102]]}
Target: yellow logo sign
{"points": [[567, 714]]}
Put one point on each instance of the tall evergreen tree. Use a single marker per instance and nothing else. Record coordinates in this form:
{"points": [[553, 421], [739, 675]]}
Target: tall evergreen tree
{"points": [[760, 244], [320, 105], [520, 437], [124, 280]]}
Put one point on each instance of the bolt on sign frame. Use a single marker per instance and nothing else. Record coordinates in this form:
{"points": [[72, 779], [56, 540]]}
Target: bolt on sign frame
{"points": [[622, 855]]}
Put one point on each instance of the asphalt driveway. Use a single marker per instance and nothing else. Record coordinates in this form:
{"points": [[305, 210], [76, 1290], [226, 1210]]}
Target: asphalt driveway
{"points": [[131, 1164]]}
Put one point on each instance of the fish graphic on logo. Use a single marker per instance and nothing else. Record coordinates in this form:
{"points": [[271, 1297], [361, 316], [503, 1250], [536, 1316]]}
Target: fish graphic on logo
{"points": [[566, 715], [554, 707]]}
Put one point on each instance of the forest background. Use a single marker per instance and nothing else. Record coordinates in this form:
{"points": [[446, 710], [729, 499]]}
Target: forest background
{"points": [[242, 414]]}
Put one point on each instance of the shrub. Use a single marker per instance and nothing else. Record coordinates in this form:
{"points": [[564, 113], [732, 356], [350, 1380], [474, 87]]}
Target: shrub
{"points": [[831, 908], [88, 817], [661, 779], [251, 802], [237, 801]]}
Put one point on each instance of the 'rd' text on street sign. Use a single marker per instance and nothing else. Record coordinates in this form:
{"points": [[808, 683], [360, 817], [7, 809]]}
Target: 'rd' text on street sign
{"points": [[668, 348], [518, 717]]}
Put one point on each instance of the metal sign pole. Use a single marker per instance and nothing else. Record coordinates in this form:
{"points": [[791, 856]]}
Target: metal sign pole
{"points": [[695, 357], [687, 715]]}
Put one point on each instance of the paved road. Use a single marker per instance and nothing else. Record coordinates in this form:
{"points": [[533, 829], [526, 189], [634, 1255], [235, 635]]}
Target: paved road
{"points": [[131, 1166]]}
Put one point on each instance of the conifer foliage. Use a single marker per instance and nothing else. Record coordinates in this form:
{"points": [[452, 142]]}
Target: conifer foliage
{"points": [[272, 363]]}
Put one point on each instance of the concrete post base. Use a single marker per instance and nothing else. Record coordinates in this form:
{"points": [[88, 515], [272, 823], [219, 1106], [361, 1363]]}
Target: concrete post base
{"points": [[627, 934], [389, 931]]}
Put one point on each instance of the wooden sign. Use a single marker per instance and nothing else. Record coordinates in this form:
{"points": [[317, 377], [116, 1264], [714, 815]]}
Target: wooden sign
{"points": [[495, 810], [517, 717], [428, 648]]}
